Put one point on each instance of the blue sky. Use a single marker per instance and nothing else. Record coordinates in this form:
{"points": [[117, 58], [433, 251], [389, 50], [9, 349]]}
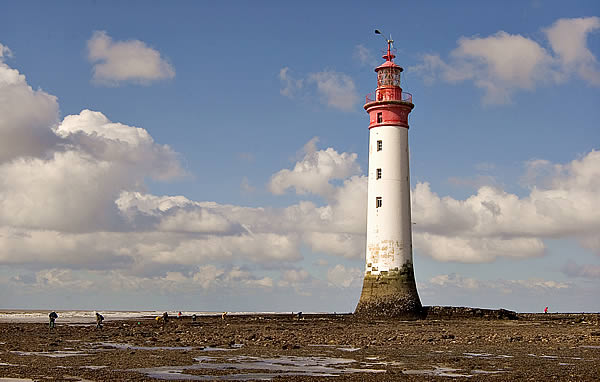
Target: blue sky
{"points": [[212, 156]]}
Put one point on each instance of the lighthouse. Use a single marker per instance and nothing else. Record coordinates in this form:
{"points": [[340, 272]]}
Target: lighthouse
{"points": [[389, 288]]}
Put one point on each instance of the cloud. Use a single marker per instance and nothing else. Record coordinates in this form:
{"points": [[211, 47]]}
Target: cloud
{"points": [[291, 85], [343, 277], [503, 63], [364, 56], [61, 278], [334, 89], [339, 244], [26, 116], [5, 51], [246, 186], [75, 186], [204, 278], [568, 39], [533, 293], [588, 271], [457, 281], [294, 278], [125, 61], [494, 223], [314, 172]]}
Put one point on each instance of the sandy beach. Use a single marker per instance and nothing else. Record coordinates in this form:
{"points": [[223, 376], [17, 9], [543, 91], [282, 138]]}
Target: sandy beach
{"points": [[449, 343]]}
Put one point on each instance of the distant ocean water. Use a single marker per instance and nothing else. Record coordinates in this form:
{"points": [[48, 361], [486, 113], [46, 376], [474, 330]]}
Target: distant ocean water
{"points": [[88, 316]]}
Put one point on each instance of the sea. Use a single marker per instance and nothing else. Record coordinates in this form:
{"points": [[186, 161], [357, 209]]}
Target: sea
{"points": [[89, 316]]}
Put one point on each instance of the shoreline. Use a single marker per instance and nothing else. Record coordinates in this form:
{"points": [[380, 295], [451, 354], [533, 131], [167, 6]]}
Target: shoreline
{"points": [[428, 312]]}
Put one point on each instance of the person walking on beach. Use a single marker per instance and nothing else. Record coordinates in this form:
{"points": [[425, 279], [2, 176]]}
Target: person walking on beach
{"points": [[52, 316], [99, 319], [223, 315], [165, 317], [179, 315], [546, 310]]}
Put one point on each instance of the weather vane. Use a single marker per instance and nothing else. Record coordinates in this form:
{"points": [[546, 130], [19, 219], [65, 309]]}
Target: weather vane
{"points": [[388, 40], [389, 56]]}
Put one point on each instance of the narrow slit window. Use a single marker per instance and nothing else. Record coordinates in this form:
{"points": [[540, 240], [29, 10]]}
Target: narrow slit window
{"points": [[378, 202], [379, 117], [379, 145], [378, 173]]}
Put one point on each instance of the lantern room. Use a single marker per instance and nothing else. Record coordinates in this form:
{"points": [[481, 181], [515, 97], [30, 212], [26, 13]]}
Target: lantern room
{"points": [[388, 76], [389, 105]]}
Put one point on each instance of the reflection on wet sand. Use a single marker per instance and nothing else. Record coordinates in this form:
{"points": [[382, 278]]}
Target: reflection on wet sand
{"points": [[277, 366]]}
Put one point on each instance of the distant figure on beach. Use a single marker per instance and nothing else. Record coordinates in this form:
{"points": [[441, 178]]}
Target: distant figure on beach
{"points": [[99, 319], [179, 315], [546, 310], [194, 317], [52, 316], [300, 317], [223, 315]]}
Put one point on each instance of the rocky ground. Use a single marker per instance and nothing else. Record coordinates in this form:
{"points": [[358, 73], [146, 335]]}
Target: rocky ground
{"points": [[449, 343]]}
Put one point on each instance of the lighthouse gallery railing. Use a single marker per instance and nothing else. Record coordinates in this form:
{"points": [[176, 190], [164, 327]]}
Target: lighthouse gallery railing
{"points": [[371, 97]]}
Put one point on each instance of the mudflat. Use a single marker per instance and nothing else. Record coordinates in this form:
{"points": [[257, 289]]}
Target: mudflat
{"points": [[467, 343]]}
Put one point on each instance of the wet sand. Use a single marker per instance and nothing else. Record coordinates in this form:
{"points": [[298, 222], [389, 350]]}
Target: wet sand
{"points": [[449, 343]]}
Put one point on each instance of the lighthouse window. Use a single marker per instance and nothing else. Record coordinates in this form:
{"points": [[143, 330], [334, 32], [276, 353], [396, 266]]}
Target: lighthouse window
{"points": [[379, 145], [378, 173], [379, 118], [378, 202]]}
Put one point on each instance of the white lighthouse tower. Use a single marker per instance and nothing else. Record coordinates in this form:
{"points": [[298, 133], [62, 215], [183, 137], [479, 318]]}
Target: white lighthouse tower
{"points": [[389, 288]]}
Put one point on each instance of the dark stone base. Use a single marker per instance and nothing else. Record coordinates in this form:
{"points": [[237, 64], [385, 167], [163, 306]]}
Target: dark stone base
{"points": [[452, 312], [390, 295]]}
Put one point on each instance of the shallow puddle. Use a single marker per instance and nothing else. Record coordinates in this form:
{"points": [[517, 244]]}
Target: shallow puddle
{"points": [[135, 347], [51, 354], [438, 372], [350, 349], [122, 346], [472, 355], [487, 371], [276, 366]]}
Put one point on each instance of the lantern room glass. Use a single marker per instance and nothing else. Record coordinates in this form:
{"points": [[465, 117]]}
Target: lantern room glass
{"points": [[388, 77]]}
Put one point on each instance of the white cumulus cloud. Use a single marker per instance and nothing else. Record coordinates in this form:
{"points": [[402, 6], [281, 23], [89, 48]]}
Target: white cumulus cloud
{"points": [[334, 89], [26, 115], [5, 51], [343, 277], [315, 171], [568, 39], [125, 61], [503, 63], [494, 223], [75, 186]]}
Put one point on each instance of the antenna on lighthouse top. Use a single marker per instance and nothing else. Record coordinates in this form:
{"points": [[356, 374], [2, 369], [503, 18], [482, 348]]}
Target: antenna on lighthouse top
{"points": [[389, 56]]}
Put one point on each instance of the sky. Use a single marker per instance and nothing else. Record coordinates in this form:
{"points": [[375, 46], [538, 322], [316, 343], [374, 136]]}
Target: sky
{"points": [[212, 156]]}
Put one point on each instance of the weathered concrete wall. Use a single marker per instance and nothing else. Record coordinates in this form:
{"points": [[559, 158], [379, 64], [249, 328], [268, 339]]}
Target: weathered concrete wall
{"points": [[389, 228]]}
